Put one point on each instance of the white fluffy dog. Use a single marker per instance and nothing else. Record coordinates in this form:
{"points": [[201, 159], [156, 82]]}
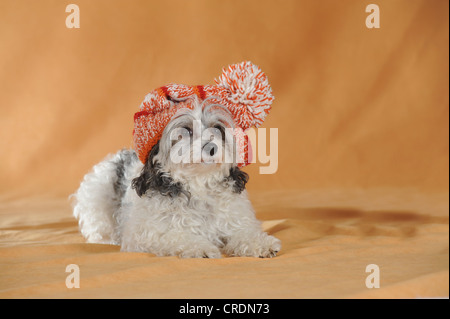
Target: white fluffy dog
{"points": [[173, 205]]}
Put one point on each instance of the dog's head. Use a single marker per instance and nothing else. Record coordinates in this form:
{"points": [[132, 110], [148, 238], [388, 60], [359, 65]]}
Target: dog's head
{"points": [[196, 133], [198, 143]]}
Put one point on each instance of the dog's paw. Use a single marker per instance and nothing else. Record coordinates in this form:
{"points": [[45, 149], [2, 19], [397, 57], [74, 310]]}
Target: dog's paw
{"points": [[260, 245], [272, 249], [268, 247], [203, 251]]}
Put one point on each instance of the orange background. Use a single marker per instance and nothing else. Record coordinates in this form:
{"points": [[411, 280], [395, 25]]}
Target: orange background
{"points": [[362, 114], [354, 106]]}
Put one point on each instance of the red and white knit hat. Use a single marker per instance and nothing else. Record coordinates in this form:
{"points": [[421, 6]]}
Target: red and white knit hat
{"points": [[242, 88]]}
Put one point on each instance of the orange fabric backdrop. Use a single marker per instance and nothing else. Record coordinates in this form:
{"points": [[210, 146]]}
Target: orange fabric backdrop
{"points": [[354, 106], [363, 113]]}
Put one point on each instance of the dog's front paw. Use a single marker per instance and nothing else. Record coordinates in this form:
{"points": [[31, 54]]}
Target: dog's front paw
{"points": [[270, 247], [200, 251], [260, 245]]}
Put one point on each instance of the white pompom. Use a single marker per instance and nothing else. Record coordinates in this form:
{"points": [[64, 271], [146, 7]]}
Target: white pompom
{"points": [[250, 94]]}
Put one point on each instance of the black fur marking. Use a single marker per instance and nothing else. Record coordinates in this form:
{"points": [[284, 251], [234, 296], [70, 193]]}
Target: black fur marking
{"points": [[126, 157], [240, 179], [152, 178]]}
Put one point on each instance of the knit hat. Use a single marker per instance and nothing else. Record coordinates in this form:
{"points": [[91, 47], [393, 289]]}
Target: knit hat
{"points": [[242, 88]]}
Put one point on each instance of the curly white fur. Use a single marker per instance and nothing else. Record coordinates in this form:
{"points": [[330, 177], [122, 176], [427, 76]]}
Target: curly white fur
{"points": [[206, 218]]}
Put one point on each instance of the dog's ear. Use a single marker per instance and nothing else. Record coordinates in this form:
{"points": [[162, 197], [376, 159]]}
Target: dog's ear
{"points": [[239, 177], [153, 178], [142, 183]]}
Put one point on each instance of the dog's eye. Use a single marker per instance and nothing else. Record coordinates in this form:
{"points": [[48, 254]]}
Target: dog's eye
{"points": [[188, 129], [219, 130]]}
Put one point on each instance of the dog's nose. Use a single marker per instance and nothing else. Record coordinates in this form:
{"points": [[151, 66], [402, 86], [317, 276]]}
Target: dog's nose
{"points": [[210, 149]]}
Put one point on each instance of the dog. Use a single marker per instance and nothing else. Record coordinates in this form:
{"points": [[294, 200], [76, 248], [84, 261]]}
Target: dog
{"points": [[186, 199]]}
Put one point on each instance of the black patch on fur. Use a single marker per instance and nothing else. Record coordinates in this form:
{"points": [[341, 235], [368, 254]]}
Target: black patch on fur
{"points": [[152, 178], [240, 179], [126, 157]]}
